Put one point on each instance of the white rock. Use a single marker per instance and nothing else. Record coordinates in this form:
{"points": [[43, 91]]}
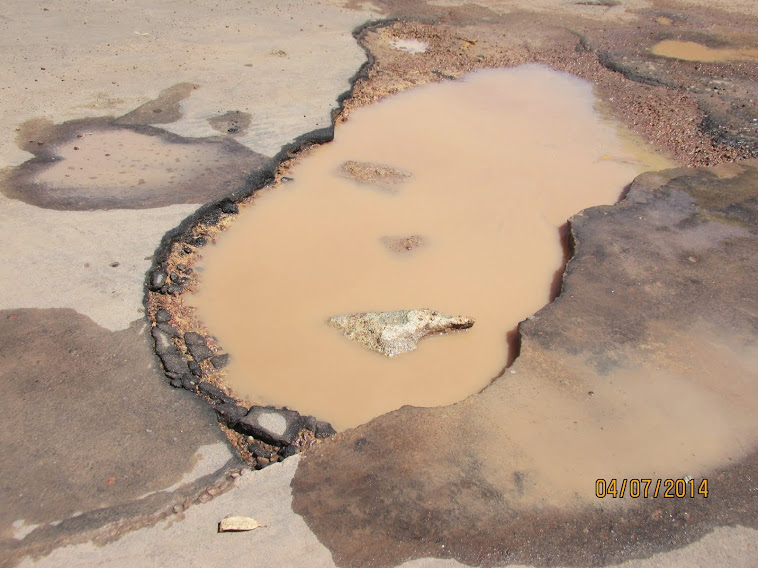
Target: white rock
{"points": [[392, 333], [237, 524]]}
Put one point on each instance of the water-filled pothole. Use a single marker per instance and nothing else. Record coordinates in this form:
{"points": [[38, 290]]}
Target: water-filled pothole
{"points": [[449, 197], [693, 51]]}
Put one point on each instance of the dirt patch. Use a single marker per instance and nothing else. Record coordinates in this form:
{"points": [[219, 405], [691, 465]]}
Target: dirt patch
{"points": [[64, 452], [232, 123], [166, 108]]}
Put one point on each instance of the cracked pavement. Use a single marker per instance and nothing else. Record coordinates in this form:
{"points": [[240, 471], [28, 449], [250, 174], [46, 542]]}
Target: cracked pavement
{"points": [[104, 464]]}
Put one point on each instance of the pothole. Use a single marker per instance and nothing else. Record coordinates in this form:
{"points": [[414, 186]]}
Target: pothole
{"points": [[693, 51], [467, 185]]}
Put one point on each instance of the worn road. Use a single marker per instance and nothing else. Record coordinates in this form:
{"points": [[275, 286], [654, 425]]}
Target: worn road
{"points": [[122, 119]]}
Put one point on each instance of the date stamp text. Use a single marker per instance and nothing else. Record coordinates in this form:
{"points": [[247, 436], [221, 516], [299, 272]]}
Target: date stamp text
{"points": [[686, 487]]}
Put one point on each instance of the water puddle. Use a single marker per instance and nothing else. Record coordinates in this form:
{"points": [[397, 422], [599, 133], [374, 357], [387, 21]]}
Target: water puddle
{"points": [[449, 197], [692, 51]]}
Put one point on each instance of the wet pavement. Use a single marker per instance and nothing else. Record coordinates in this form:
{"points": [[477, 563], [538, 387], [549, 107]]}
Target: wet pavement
{"points": [[104, 464]]}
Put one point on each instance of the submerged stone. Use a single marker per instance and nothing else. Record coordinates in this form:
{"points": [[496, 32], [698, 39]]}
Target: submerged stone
{"points": [[373, 174], [392, 333], [403, 244]]}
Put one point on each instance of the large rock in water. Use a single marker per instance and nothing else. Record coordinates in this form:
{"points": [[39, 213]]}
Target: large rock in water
{"points": [[392, 333]]}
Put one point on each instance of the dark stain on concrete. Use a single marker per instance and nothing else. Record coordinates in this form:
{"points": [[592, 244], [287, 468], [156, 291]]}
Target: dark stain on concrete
{"points": [[733, 199], [89, 426], [368, 516], [420, 10], [452, 483], [165, 109], [232, 123], [195, 171]]}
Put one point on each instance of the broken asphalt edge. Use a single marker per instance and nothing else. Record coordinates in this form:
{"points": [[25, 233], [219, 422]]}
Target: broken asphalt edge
{"points": [[182, 369]]}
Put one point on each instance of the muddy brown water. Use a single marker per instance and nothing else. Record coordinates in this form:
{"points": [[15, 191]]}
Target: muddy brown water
{"points": [[693, 51], [498, 162]]}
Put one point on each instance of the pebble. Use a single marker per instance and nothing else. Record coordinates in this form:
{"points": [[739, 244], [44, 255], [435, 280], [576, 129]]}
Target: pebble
{"points": [[238, 524], [288, 451], [259, 451], [175, 289], [162, 316], [177, 509], [197, 241], [229, 208], [212, 490], [204, 498], [195, 368], [193, 338], [188, 383], [168, 329], [158, 279], [220, 361], [199, 351]]}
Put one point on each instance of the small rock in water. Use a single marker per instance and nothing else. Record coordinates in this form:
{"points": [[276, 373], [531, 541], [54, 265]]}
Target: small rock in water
{"points": [[324, 429], [392, 333], [380, 176], [220, 361], [403, 244]]}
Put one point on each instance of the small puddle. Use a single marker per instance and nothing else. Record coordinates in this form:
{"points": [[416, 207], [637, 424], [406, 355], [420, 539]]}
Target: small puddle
{"points": [[692, 51], [450, 197]]}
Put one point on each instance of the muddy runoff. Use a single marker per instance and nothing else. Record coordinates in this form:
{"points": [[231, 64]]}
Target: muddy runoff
{"points": [[450, 197], [693, 51]]}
